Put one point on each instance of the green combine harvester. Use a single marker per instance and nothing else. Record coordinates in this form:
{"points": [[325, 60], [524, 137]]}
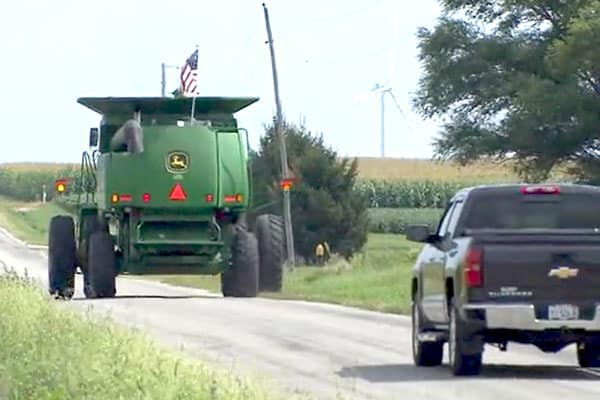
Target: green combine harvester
{"points": [[163, 193]]}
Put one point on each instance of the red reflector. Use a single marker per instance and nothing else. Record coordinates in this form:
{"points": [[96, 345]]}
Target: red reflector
{"points": [[209, 198], [177, 193], [230, 198], [146, 197], [551, 189], [473, 268], [125, 197]]}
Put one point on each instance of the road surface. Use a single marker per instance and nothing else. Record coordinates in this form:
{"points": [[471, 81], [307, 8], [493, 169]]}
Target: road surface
{"points": [[321, 349]]}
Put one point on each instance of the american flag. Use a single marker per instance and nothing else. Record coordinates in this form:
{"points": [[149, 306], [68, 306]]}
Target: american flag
{"points": [[189, 75]]}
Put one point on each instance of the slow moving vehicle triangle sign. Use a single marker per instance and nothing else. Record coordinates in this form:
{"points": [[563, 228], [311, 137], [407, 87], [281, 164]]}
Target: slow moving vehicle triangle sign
{"points": [[177, 193]]}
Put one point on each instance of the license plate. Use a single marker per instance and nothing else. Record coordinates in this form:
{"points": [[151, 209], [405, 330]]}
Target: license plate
{"points": [[563, 312]]}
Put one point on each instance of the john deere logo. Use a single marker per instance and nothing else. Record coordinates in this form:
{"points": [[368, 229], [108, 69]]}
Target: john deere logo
{"points": [[563, 272], [177, 162]]}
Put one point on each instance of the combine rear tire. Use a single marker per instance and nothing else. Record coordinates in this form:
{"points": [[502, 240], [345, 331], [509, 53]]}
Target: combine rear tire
{"points": [[62, 257], [241, 280], [101, 266], [269, 231]]}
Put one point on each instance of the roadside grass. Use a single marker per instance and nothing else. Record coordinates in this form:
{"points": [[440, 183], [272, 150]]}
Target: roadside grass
{"points": [[377, 279], [28, 221], [50, 352]]}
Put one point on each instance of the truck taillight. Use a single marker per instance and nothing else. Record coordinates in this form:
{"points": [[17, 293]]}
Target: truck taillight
{"points": [[474, 268]]}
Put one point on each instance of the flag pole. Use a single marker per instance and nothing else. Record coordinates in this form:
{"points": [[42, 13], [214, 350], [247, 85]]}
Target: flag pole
{"points": [[194, 97]]}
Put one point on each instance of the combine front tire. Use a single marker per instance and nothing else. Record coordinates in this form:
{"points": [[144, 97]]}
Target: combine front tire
{"points": [[101, 266], [269, 231], [62, 257], [241, 279]]}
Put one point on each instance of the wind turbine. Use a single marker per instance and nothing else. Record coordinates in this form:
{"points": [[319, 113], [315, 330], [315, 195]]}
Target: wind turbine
{"points": [[383, 90]]}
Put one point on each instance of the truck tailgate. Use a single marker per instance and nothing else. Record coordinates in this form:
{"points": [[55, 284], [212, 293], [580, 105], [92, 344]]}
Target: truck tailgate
{"points": [[544, 270]]}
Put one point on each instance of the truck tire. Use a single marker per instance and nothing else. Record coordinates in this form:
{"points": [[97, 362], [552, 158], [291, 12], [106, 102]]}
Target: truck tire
{"points": [[269, 232], [101, 266], [62, 257], [588, 355], [425, 354], [241, 279], [461, 363]]}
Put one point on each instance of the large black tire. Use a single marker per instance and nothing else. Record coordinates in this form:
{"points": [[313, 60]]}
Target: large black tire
{"points": [[89, 224], [271, 239], [241, 279], [588, 355], [101, 272], [459, 361], [425, 354], [62, 257]]}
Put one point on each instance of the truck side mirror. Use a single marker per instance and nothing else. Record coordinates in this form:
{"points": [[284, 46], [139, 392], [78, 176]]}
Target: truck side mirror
{"points": [[418, 233], [93, 137]]}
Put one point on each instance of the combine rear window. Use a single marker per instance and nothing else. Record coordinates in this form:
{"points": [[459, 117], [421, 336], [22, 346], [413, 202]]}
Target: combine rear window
{"points": [[519, 211]]}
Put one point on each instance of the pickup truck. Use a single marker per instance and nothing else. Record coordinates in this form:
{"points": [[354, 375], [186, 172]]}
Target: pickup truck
{"points": [[508, 263]]}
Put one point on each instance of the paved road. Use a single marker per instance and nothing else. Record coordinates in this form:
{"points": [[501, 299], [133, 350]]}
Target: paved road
{"points": [[318, 348]]}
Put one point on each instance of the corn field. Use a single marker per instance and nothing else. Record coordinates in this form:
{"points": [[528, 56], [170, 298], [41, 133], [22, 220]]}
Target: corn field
{"points": [[407, 194]]}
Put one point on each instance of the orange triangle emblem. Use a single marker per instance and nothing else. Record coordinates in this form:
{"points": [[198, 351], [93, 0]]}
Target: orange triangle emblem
{"points": [[177, 193]]}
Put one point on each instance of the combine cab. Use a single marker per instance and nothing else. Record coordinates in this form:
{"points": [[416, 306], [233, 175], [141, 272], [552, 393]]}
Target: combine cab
{"points": [[163, 194]]}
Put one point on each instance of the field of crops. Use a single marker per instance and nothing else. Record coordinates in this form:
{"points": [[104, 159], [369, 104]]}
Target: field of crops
{"points": [[396, 169], [395, 220]]}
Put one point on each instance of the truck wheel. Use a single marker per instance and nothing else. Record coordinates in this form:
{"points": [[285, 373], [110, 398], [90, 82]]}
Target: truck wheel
{"points": [[62, 257], [101, 266], [460, 363], [588, 355], [425, 354], [241, 279], [269, 232]]}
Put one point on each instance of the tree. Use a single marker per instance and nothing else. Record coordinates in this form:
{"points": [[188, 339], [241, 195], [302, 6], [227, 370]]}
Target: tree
{"points": [[515, 79], [324, 205]]}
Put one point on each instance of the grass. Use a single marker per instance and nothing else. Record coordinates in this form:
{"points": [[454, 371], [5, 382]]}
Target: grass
{"points": [[49, 352], [27, 221], [378, 279]]}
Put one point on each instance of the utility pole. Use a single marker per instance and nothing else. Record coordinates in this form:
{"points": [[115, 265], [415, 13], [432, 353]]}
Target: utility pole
{"points": [[287, 213]]}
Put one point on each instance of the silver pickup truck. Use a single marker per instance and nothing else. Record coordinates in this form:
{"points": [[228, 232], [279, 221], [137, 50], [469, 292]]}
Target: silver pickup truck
{"points": [[509, 263]]}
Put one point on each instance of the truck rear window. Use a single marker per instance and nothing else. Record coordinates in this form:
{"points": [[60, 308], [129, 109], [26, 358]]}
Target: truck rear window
{"points": [[517, 211]]}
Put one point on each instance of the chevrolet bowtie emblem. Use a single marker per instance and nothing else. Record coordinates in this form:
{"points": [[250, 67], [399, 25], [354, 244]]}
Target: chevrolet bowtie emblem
{"points": [[563, 272]]}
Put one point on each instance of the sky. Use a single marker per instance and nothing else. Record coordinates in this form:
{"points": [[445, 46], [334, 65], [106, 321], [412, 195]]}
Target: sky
{"points": [[329, 53]]}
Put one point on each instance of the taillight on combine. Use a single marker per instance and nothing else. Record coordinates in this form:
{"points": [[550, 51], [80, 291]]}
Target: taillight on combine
{"points": [[473, 270]]}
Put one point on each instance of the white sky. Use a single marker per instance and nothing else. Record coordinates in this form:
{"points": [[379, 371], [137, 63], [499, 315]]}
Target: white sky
{"points": [[330, 54]]}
